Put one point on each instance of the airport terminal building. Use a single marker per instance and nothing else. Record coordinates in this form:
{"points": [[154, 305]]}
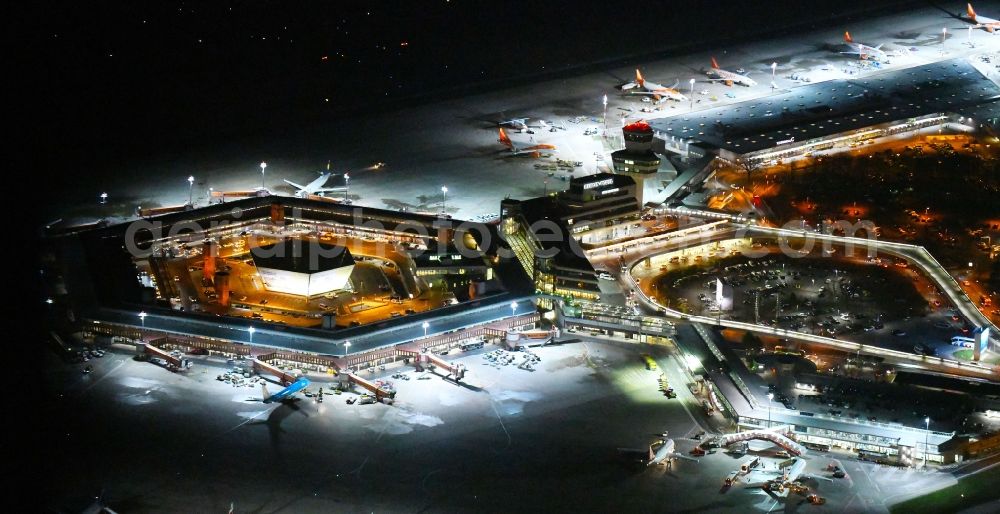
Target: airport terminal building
{"points": [[543, 231], [950, 95]]}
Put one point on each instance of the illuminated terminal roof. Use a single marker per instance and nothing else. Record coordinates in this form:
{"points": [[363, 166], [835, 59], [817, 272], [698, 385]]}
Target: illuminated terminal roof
{"points": [[836, 106], [300, 256]]}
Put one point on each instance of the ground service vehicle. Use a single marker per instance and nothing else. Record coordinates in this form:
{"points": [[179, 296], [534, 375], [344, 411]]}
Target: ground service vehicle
{"points": [[749, 463]]}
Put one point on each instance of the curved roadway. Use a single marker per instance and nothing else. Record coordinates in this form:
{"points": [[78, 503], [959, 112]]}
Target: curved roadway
{"points": [[917, 255]]}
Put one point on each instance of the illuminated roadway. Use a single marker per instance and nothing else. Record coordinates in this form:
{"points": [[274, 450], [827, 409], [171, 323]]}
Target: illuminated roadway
{"points": [[633, 252]]}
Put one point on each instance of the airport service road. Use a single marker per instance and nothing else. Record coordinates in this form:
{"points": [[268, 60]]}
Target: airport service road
{"points": [[453, 142]]}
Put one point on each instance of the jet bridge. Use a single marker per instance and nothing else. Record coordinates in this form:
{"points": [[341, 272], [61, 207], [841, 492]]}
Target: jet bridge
{"points": [[772, 435], [379, 392], [261, 366], [425, 358]]}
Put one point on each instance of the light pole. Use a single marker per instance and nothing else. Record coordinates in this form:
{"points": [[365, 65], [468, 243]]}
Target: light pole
{"points": [[425, 325], [444, 199], [190, 190], [770, 396], [263, 165], [104, 198], [605, 101], [251, 330], [513, 308], [347, 185], [692, 94], [142, 318], [927, 423], [347, 346], [944, 34], [774, 66]]}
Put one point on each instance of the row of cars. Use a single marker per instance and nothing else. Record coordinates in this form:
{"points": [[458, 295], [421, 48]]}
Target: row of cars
{"points": [[85, 356]]}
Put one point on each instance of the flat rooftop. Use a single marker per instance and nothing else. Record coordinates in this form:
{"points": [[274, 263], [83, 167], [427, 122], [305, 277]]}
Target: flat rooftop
{"points": [[300, 256], [836, 106]]}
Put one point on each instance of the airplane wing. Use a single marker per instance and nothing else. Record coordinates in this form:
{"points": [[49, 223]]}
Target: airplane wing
{"points": [[331, 189], [682, 456], [293, 184]]}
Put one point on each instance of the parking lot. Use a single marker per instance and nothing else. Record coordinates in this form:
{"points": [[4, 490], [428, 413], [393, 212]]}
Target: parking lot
{"points": [[881, 302]]}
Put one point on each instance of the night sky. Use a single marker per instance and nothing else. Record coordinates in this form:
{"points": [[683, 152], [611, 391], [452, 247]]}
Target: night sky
{"points": [[121, 78]]}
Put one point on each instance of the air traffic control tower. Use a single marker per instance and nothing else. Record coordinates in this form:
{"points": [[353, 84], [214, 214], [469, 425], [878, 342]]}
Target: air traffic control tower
{"points": [[638, 161]]}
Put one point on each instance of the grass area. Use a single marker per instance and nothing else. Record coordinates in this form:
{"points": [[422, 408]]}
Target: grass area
{"points": [[966, 355], [968, 492]]}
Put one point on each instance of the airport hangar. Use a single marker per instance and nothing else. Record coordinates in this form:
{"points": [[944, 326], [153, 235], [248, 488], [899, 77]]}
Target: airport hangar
{"points": [[815, 117], [103, 294]]}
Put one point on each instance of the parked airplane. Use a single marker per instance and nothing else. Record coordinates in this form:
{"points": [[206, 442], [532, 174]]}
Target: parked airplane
{"points": [[790, 473], [982, 22], [665, 454], [650, 88], [729, 77], [520, 124], [285, 394], [314, 187], [864, 51], [533, 150]]}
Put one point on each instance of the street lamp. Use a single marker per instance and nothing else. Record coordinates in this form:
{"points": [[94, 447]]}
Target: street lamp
{"points": [[513, 308], [251, 330], [774, 66], [444, 199], [927, 423], [142, 318], [605, 101], [944, 34], [692, 94], [347, 185], [770, 396], [190, 189], [425, 325], [104, 198], [262, 166], [347, 346]]}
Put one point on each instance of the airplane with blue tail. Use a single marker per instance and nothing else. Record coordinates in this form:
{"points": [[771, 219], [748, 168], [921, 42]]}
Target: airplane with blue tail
{"points": [[286, 393]]}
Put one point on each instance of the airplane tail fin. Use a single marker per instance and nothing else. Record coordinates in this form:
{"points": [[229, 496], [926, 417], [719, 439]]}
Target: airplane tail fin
{"points": [[503, 139], [715, 65], [970, 11], [847, 37], [638, 77]]}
